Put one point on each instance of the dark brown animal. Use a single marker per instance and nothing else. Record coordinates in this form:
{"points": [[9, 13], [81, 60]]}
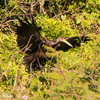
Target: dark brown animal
{"points": [[30, 41]]}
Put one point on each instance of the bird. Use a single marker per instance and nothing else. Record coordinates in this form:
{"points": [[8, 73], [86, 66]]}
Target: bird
{"points": [[72, 42], [30, 41]]}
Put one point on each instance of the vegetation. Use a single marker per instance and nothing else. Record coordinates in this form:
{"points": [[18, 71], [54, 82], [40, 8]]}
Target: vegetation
{"points": [[76, 73]]}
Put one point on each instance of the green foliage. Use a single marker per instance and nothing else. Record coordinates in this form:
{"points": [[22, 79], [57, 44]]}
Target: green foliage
{"points": [[52, 28], [75, 74], [10, 63]]}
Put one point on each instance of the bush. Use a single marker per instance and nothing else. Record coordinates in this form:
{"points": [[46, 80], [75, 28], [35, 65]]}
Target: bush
{"points": [[75, 74]]}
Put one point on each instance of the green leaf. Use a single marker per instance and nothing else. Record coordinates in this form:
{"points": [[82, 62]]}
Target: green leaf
{"points": [[85, 23], [63, 17], [71, 7], [78, 19], [99, 21]]}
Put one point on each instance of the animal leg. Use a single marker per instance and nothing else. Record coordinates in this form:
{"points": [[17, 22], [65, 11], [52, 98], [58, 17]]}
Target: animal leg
{"points": [[31, 64], [39, 63]]}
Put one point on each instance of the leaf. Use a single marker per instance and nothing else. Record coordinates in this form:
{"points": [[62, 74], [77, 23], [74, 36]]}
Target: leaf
{"points": [[71, 7], [85, 23], [78, 19], [63, 17], [99, 21]]}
